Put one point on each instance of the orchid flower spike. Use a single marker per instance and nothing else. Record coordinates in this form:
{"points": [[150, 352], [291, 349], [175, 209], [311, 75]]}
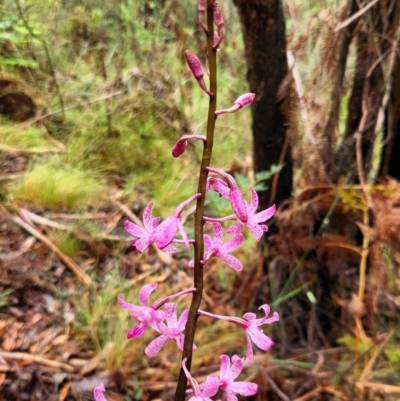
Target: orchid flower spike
{"points": [[98, 393], [180, 145], [250, 324], [240, 102], [219, 22], [197, 70], [204, 391], [146, 314]]}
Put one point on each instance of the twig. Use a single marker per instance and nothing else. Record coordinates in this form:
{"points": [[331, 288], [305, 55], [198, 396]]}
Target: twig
{"points": [[65, 258], [358, 14], [274, 386], [95, 361], [23, 356], [372, 361], [53, 113]]}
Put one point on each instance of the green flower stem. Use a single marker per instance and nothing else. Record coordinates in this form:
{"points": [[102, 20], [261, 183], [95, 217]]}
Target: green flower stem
{"points": [[198, 221]]}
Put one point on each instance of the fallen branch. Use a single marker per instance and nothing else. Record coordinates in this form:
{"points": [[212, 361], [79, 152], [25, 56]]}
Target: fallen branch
{"points": [[23, 356]]}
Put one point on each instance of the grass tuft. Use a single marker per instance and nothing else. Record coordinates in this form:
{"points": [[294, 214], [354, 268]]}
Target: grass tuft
{"points": [[55, 187]]}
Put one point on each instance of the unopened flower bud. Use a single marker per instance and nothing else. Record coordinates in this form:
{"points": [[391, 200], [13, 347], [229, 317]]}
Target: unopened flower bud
{"points": [[181, 144], [194, 64], [197, 70], [238, 104], [219, 21], [201, 8], [218, 18], [179, 148], [245, 99]]}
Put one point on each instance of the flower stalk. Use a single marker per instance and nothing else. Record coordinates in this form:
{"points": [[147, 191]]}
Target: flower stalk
{"points": [[198, 219]]}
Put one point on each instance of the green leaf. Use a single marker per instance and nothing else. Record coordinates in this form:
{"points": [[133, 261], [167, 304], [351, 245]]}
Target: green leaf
{"points": [[11, 62]]}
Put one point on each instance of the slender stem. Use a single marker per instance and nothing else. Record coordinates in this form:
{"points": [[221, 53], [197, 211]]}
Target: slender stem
{"points": [[199, 221]]}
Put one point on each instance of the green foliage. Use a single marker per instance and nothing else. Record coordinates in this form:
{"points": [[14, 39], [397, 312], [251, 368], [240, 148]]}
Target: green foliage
{"points": [[5, 297], [59, 187], [66, 242]]}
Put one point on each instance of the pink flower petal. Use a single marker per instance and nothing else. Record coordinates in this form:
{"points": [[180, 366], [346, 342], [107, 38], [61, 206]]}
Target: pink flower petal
{"points": [[244, 388], [98, 393], [254, 201], [143, 243], [208, 242], [256, 230], [232, 244], [235, 229], [145, 292], [231, 261], [239, 205], [219, 186], [225, 366], [265, 214], [137, 331], [155, 346], [210, 387], [134, 230], [236, 369], [218, 234], [170, 314], [260, 339], [148, 217]]}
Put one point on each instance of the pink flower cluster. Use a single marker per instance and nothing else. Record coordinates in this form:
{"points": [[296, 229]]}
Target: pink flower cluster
{"points": [[167, 235]]}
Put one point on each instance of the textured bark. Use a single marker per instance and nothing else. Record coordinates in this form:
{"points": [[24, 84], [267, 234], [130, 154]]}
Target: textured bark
{"points": [[263, 27], [374, 43], [390, 164], [346, 36]]}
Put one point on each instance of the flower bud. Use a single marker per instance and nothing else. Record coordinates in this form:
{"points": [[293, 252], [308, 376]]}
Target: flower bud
{"points": [[197, 70], [179, 148], [181, 144], [219, 21], [218, 18], [239, 103], [194, 64], [245, 99]]}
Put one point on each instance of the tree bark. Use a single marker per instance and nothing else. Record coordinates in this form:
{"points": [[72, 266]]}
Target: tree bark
{"points": [[390, 163], [374, 45], [263, 27]]}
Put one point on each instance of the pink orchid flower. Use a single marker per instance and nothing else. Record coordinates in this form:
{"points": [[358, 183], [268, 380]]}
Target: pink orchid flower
{"points": [[146, 236], [228, 374], [147, 315], [204, 391], [215, 248], [244, 212], [250, 324], [166, 231], [173, 330], [160, 234], [98, 393]]}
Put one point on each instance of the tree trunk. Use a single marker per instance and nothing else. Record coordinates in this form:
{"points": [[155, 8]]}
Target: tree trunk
{"points": [[390, 164], [263, 26], [374, 45]]}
